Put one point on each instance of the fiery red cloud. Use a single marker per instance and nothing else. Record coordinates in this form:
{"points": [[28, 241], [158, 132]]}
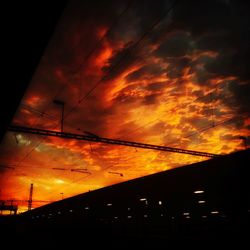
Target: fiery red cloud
{"points": [[169, 88]]}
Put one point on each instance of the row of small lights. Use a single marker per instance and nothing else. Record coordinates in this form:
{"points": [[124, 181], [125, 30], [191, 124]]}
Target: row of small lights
{"points": [[200, 192], [186, 214], [87, 208]]}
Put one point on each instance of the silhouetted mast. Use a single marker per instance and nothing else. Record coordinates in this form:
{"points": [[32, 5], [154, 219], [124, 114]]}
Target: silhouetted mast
{"points": [[30, 197]]}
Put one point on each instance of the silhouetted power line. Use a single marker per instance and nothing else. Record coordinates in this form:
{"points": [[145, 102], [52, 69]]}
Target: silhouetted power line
{"points": [[128, 5], [107, 140], [128, 52]]}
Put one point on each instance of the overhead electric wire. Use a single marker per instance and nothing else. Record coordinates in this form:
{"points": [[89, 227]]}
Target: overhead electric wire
{"points": [[106, 140], [144, 35], [133, 47], [192, 134], [135, 44], [147, 124], [129, 3], [97, 44], [74, 182], [18, 191], [153, 25], [91, 52], [13, 166], [93, 90], [201, 130], [131, 131], [204, 129]]}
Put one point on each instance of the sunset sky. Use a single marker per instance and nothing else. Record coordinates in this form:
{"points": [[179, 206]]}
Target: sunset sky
{"points": [[173, 73]]}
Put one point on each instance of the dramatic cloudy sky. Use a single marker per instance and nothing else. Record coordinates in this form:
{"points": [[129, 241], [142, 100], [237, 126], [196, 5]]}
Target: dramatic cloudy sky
{"points": [[172, 73]]}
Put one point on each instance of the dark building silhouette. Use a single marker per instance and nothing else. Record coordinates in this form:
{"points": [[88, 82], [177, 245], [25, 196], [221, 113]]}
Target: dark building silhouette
{"points": [[203, 201]]}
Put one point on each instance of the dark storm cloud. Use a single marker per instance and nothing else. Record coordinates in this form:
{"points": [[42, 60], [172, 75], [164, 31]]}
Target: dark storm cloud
{"points": [[214, 41], [226, 32], [138, 19], [134, 30], [148, 11], [231, 40], [241, 95], [202, 76], [238, 121], [195, 26], [177, 66], [77, 31], [199, 17], [175, 50], [231, 64], [120, 61], [218, 26], [179, 44]]}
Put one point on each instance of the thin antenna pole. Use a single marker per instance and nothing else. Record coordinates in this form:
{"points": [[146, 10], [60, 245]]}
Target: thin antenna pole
{"points": [[30, 197]]}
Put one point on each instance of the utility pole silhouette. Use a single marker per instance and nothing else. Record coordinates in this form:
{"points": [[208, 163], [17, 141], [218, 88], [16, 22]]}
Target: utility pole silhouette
{"points": [[30, 197]]}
